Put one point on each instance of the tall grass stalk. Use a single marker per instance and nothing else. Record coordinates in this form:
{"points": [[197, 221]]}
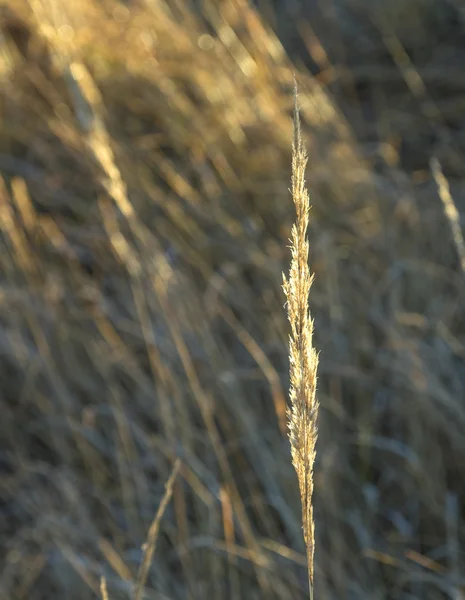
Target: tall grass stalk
{"points": [[450, 210], [303, 358], [104, 589], [152, 536]]}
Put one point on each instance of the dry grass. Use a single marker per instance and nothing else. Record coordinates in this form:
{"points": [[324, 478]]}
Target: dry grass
{"points": [[303, 359], [153, 534], [144, 216], [450, 210]]}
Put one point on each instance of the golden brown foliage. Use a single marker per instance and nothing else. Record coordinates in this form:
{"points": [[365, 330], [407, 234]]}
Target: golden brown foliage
{"points": [[144, 161]]}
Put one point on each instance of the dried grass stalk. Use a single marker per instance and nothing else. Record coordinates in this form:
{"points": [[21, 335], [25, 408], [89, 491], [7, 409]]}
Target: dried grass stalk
{"points": [[104, 589], [152, 536], [303, 358], [450, 210]]}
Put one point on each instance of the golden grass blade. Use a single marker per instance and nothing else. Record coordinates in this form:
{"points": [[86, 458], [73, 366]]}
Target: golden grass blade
{"points": [[450, 209], [153, 533], [303, 358], [104, 589]]}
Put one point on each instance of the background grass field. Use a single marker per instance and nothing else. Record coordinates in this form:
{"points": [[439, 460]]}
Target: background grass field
{"points": [[145, 154]]}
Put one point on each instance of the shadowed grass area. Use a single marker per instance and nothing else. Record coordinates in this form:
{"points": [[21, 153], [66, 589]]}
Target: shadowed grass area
{"points": [[145, 154]]}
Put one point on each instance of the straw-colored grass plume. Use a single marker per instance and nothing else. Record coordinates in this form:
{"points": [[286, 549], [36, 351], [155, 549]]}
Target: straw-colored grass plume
{"points": [[303, 358]]}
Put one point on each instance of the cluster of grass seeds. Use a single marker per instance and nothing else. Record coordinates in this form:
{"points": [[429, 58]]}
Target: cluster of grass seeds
{"points": [[303, 358]]}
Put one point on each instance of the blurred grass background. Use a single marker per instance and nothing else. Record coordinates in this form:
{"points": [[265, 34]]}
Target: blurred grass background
{"points": [[145, 216]]}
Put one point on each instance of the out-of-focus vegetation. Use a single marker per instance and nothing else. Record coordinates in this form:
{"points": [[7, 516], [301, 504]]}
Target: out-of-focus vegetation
{"points": [[144, 215]]}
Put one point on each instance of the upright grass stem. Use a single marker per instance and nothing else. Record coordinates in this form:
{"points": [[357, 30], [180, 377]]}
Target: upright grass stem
{"points": [[303, 358]]}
